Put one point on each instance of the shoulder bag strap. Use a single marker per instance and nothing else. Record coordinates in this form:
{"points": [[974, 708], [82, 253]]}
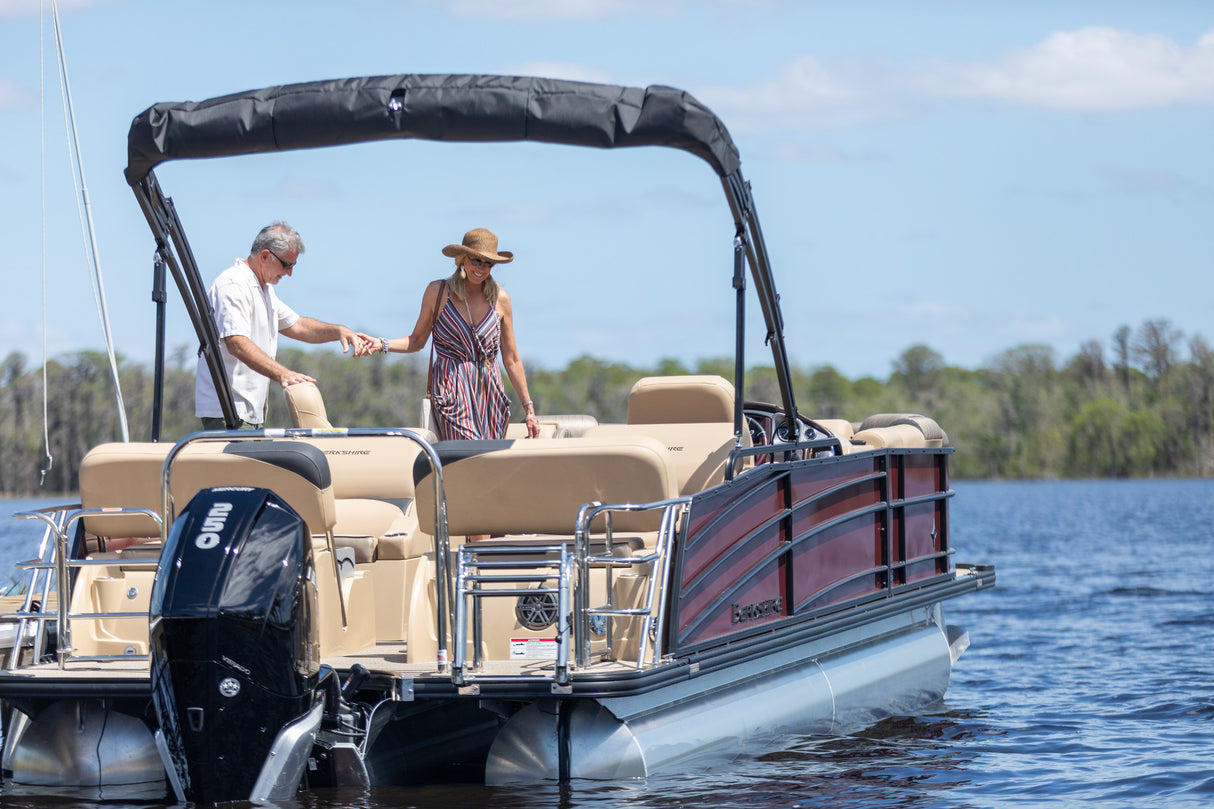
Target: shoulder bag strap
{"points": [[438, 307]]}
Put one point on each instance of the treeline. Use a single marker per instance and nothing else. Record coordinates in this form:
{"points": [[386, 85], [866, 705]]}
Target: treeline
{"points": [[1141, 406]]}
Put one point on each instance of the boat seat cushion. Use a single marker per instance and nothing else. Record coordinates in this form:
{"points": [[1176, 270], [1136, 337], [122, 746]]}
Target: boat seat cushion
{"points": [[699, 453], [305, 406], [296, 471], [367, 526], [681, 399], [841, 429], [128, 475], [374, 467], [118, 476], [899, 430], [518, 429], [536, 486], [375, 475], [568, 425]]}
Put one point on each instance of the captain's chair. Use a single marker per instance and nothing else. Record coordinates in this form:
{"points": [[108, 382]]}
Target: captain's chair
{"points": [[306, 406], [681, 400]]}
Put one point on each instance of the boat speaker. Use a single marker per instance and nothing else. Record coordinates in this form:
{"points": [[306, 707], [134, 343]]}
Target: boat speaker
{"points": [[232, 641]]}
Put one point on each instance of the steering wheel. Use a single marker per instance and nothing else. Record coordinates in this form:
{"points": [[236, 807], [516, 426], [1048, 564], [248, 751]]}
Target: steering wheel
{"points": [[759, 437]]}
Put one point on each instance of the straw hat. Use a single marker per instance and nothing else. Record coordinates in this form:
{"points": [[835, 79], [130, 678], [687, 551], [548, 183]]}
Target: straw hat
{"points": [[481, 243]]}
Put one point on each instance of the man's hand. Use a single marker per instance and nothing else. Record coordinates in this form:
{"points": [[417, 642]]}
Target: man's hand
{"points": [[288, 378], [365, 346], [348, 340]]}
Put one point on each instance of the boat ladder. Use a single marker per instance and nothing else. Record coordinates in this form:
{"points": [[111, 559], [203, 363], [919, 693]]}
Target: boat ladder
{"points": [[551, 582], [52, 569]]}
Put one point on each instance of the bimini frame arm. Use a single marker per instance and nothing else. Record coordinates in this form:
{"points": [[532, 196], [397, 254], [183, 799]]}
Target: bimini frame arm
{"points": [[174, 250], [750, 236]]}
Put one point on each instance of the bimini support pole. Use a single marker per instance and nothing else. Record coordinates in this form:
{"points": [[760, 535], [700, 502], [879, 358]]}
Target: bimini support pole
{"points": [[739, 373], [160, 298]]}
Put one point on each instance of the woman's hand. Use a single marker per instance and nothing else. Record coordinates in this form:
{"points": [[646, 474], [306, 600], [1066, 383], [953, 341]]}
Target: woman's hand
{"points": [[533, 426], [367, 345]]}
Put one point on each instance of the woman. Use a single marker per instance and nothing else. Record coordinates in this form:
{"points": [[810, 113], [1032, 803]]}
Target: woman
{"points": [[471, 320]]}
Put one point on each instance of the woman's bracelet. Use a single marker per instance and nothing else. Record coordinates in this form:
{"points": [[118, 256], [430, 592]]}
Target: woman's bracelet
{"points": [[383, 345]]}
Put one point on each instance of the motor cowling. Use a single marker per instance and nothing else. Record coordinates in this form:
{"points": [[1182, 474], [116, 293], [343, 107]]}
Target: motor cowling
{"points": [[233, 647]]}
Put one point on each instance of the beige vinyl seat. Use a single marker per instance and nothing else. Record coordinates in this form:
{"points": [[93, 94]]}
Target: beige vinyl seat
{"points": [[372, 480], [692, 416], [558, 426], [527, 494], [517, 430], [900, 430], [305, 406], [681, 400], [128, 475], [843, 430], [699, 453], [537, 486]]}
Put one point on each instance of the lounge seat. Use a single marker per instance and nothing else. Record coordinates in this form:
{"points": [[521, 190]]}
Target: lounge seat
{"points": [[899, 430]]}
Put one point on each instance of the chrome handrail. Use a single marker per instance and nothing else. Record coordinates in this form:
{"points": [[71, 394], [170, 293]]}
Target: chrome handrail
{"points": [[54, 518], [61, 563], [673, 524]]}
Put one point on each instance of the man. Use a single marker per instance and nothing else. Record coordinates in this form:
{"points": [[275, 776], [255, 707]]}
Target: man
{"points": [[249, 318]]}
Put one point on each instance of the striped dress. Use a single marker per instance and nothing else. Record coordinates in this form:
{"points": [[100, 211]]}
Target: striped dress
{"points": [[467, 398]]}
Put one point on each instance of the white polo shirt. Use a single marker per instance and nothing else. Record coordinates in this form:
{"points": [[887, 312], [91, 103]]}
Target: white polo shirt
{"points": [[244, 307]]}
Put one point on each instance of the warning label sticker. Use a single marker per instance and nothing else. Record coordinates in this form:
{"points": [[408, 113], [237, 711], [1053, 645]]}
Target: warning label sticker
{"points": [[533, 648]]}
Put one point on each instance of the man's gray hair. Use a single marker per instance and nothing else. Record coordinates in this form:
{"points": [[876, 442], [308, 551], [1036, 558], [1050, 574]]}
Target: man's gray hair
{"points": [[278, 237]]}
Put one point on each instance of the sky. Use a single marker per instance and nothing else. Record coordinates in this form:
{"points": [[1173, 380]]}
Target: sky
{"points": [[970, 176]]}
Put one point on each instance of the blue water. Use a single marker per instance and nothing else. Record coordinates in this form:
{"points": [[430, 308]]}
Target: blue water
{"points": [[1090, 681]]}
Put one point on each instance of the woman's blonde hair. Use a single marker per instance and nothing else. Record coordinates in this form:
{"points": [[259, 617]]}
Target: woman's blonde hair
{"points": [[458, 284]]}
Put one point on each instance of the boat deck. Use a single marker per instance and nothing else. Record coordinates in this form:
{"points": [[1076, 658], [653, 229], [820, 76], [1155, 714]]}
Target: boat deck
{"points": [[387, 659]]}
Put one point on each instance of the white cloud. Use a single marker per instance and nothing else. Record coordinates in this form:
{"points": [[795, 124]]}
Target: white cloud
{"points": [[808, 93], [1088, 70], [1092, 69]]}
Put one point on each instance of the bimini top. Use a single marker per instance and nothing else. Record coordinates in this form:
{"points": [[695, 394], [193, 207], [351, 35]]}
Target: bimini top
{"points": [[428, 107]]}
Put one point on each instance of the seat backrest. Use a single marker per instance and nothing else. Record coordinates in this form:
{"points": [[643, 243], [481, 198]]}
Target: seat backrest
{"points": [[374, 467], [681, 400], [306, 406], [518, 429], [128, 475], [909, 430], [122, 475], [294, 470], [536, 486], [570, 425], [699, 453]]}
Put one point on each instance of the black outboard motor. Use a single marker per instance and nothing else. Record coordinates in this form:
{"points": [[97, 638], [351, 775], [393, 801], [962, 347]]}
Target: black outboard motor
{"points": [[233, 648]]}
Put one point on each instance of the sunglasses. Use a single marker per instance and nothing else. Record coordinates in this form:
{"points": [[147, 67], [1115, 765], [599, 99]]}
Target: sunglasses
{"points": [[285, 265], [481, 263]]}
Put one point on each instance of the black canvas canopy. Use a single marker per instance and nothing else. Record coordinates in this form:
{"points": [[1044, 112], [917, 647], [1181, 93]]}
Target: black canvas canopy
{"points": [[455, 108], [430, 107]]}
